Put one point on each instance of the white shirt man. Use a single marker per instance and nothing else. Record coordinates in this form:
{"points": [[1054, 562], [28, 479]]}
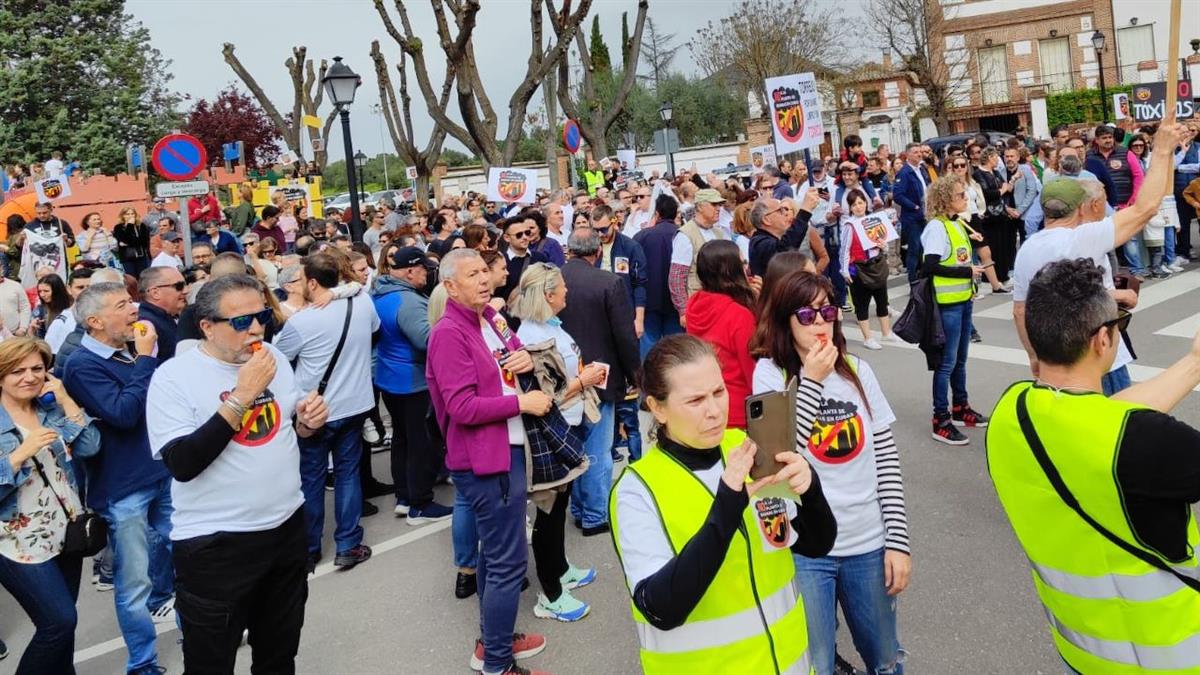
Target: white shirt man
{"points": [[169, 256]]}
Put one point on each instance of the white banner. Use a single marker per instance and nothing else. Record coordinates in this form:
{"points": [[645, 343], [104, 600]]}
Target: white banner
{"points": [[761, 156], [512, 186], [795, 112], [628, 159], [50, 189], [1120, 106], [875, 230]]}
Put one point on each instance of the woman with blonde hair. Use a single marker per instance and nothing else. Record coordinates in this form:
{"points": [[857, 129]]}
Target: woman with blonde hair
{"points": [[133, 241], [972, 218], [742, 228], [40, 438]]}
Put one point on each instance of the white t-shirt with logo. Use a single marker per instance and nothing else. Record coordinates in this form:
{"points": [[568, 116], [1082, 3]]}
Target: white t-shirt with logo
{"points": [[508, 381], [841, 449], [254, 484]]}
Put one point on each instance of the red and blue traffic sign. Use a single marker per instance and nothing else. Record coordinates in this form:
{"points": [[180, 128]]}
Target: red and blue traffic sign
{"points": [[571, 136], [179, 157]]}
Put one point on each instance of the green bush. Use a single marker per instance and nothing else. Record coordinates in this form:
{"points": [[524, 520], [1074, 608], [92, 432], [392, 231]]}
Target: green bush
{"points": [[1082, 106]]}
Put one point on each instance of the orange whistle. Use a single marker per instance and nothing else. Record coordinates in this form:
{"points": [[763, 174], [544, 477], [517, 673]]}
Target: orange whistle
{"points": [[140, 326], [256, 347]]}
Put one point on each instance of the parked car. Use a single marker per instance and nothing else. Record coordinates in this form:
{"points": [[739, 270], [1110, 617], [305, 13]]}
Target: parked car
{"points": [[342, 201], [939, 144]]}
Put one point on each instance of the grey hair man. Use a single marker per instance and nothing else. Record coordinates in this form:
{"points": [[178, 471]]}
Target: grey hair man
{"points": [[774, 233]]}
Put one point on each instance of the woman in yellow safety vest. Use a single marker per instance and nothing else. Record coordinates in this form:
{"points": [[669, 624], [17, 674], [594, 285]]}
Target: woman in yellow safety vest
{"points": [[948, 261], [709, 565]]}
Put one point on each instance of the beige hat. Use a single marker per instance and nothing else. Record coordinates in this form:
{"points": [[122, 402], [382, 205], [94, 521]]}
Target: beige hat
{"points": [[709, 196]]}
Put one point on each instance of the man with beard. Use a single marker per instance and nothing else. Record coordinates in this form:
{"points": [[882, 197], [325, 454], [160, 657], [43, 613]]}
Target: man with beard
{"points": [[47, 238]]}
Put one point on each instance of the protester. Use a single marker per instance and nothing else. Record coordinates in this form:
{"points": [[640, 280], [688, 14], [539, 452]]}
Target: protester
{"points": [[519, 233], [662, 318], [46, 239], [220, 420], [95, 243], [677, 515], [868, 280], [1026, 189], [56, 321], [170, 255], [774, 234], [242, 217], [16, 313], [268, 226], [972, 219], [908, 192], [39, 485], [154, 216], [624, 257], [163, 291], [685, 247]]}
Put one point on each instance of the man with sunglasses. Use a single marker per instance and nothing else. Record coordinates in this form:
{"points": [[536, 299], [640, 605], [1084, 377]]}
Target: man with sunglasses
{"points": [[519, 234], [163, 299], [641, 213], [1100, 491], [624, 257]]}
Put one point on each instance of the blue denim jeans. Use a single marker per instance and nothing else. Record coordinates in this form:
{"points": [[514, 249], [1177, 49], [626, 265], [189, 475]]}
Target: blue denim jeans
{"points": [[589, 497], [136, 564], [910, 234], [343, 439], [47, 592], [1133, 254], [1168, 245], [463, 532], [658, 325], [1116, 380], [856, 584], [951, 373], [626, 412], [834, 274], [499, 505]]}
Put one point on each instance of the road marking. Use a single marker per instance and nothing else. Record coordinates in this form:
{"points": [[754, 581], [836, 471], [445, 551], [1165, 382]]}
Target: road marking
{"points": [[118, 643], [1186, 328], [1152, 294]]}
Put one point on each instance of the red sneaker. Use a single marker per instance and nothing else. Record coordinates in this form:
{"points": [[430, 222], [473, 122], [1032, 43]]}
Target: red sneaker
{"points": [[964, 416], [525, 645]]}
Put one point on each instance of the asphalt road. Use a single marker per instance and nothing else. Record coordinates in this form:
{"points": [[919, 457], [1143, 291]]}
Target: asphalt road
{"points": [[970, 608]]}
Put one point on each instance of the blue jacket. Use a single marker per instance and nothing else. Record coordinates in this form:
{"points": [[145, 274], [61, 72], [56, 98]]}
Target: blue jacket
{"points": [[165, 326], [403, 336], [628, 261], [1098, 167], [656, 243], [909, 194], [226, 241], [114, 394], [84, 441]]}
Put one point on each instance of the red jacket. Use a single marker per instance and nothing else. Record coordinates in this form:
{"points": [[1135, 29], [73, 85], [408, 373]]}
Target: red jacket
{"points": [[197, 203], [727, 326]]}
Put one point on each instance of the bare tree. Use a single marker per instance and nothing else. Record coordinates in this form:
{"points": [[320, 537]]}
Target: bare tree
{"points": [[596, 116], [766, 38], [658, 52], [307, 95], [906, 28], [480, 124], [397, 112]]}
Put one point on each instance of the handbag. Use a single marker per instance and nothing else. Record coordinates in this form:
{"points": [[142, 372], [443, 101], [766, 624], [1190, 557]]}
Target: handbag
{"points": [[1064, 493], [87, 533], [873, 273]]}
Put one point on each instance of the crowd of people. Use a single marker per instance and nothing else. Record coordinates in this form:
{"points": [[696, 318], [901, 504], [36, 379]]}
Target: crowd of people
{"points": [[521, 352]]}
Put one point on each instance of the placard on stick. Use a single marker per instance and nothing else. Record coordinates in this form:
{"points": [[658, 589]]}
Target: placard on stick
{"points": [[510, 185]]}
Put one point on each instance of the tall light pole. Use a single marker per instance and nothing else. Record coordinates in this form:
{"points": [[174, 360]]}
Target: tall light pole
{"points": [[1098, 43], [665, 112], [378, 110], [341, 84]]}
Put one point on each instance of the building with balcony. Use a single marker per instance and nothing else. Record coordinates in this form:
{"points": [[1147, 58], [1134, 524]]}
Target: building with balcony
{"points": [[878, 103]]}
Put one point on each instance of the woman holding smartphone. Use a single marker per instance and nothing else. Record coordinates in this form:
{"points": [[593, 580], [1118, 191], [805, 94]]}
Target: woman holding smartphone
{"points": [[39, 440], [841, 410], [700, 551]]}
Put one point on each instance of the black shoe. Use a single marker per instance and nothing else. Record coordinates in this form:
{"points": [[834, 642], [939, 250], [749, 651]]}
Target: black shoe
{"points": [[313, 559], [945, 431], [593, 531], [578, 524], [842, 666], [369, 509], [378, 489], [355, 556], [525, 584], [975, 336], [465, 586], [329, 480], [3, 650]]}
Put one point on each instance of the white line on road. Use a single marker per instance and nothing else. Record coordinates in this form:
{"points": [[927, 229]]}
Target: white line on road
{"points": [[1151, 295], [323, 569]]}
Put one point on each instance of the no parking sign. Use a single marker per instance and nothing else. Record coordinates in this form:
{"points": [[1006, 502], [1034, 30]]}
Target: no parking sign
{"points": [[179, 157]]}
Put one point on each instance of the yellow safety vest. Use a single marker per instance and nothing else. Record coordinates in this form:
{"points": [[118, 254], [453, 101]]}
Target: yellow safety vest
{"points": [[594, 180], [750, 620], [1108, 611], [950, 290]]}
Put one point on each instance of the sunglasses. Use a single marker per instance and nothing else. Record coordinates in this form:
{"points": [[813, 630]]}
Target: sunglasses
{"points": [[807, 316], [178, 285], [242, 323], [521, 235], [602, 231], [959, 165], [1121, 321], [1137, 145]]}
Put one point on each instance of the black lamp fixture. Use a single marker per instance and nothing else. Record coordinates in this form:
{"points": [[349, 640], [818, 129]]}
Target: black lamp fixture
{"points": [[666, 113], [1098, 41], [1195, 45], [360, 161], [341, 84]]}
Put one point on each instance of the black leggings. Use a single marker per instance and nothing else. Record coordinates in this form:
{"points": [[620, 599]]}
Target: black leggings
{"points": [[861, 296], [549, 553]]}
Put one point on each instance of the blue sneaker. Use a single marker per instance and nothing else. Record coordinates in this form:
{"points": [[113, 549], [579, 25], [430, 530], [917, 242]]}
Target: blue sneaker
{"points": [[430, 513], [567, 608], [577, 578]]}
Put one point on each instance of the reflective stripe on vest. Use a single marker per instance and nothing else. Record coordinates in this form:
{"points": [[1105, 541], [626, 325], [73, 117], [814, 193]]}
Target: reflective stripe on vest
{"points": [[1109, 611], [951, 290], [726, 630]]}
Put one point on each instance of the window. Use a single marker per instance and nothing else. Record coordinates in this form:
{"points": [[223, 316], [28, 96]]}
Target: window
{"points": [[1055, 57], [871, 98], [1134, 44], [993, 74]]}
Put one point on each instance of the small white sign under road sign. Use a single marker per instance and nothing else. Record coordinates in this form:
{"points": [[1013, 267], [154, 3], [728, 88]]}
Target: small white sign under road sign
{"points": [[188, 188]]}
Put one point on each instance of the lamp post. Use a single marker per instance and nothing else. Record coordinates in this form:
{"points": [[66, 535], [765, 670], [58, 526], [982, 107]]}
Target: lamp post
{"points": [[665, 112], [387, 182], [341, 83], [1098, 43]]}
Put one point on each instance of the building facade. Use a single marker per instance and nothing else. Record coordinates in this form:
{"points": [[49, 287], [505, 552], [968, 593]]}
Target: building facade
{"points": [[879, 103], [1143, 31]]}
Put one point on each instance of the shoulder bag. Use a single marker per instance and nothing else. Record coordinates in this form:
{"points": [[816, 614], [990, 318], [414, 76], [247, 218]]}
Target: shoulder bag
{"points": [[87, 533], [337, 351]]}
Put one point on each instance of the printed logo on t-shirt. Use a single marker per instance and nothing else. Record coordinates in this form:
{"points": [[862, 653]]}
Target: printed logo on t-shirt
{"points": [[773, 523], [261, 422], [502, 327], [837, 435], [509, 379], [621, 265]]}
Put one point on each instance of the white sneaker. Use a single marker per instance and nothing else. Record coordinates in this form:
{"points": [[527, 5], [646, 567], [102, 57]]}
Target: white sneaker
{"points": [[166, 613], [893, 339], [369, 433], [1175, 266], [872, 344]]}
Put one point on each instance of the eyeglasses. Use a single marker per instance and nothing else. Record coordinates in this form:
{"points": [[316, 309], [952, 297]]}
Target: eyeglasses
{"points": [[807, 316], [1136, 145], [959, 165], [178, 285], [521, 235], [1121, 322], [242, 323]]}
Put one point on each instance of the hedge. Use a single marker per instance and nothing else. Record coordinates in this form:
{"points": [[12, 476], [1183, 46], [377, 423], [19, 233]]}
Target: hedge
{"points": [[1081, 106]]}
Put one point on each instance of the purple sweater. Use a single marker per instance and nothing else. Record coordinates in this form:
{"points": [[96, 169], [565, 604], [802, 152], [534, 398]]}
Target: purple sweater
{"points": [[464, 385]]}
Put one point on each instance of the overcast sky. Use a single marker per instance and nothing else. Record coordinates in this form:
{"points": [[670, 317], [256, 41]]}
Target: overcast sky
{"points": [[191, 34]]}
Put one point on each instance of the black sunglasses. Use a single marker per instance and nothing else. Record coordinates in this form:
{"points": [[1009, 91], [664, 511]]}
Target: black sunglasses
{"points": [[242, 323], [1121, 321], [807, 316], [178, 285], [521, 235]]}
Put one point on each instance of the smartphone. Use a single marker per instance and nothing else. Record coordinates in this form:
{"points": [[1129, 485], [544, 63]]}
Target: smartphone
{"points": [[771, 424]]}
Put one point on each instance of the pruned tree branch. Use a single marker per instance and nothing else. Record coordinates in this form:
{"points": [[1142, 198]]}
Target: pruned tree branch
{"points": [[397, 113]]}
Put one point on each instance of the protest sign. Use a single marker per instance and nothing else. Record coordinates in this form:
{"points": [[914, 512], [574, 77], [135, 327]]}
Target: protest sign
{"points": [[1148, 101], [875, 230], [627, 159], [511, 186], [1120, 106], [761, 156], [795, 112], [50, 189]]}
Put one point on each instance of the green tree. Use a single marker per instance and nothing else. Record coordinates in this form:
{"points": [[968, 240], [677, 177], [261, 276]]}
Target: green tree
{"points": [[454, 158], [80, 77], [601, 61]]}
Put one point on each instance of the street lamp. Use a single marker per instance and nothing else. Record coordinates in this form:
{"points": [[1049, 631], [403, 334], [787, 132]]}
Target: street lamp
{"points": [[665, 112], [341, 83], [378, 110], [1098, 43], [360, 162]]}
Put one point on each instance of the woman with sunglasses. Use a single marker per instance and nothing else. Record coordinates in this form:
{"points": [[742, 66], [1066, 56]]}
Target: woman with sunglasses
{"points": [[843, 414], [972, 219]]}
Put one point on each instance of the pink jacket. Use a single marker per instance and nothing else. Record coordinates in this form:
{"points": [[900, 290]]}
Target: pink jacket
{"points": [[464, 386]]}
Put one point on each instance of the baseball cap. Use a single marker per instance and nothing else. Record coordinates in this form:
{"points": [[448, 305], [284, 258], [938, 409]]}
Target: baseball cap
{"points": [[409, 256], [170, 236], [709, 196], [1065, 190]]}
